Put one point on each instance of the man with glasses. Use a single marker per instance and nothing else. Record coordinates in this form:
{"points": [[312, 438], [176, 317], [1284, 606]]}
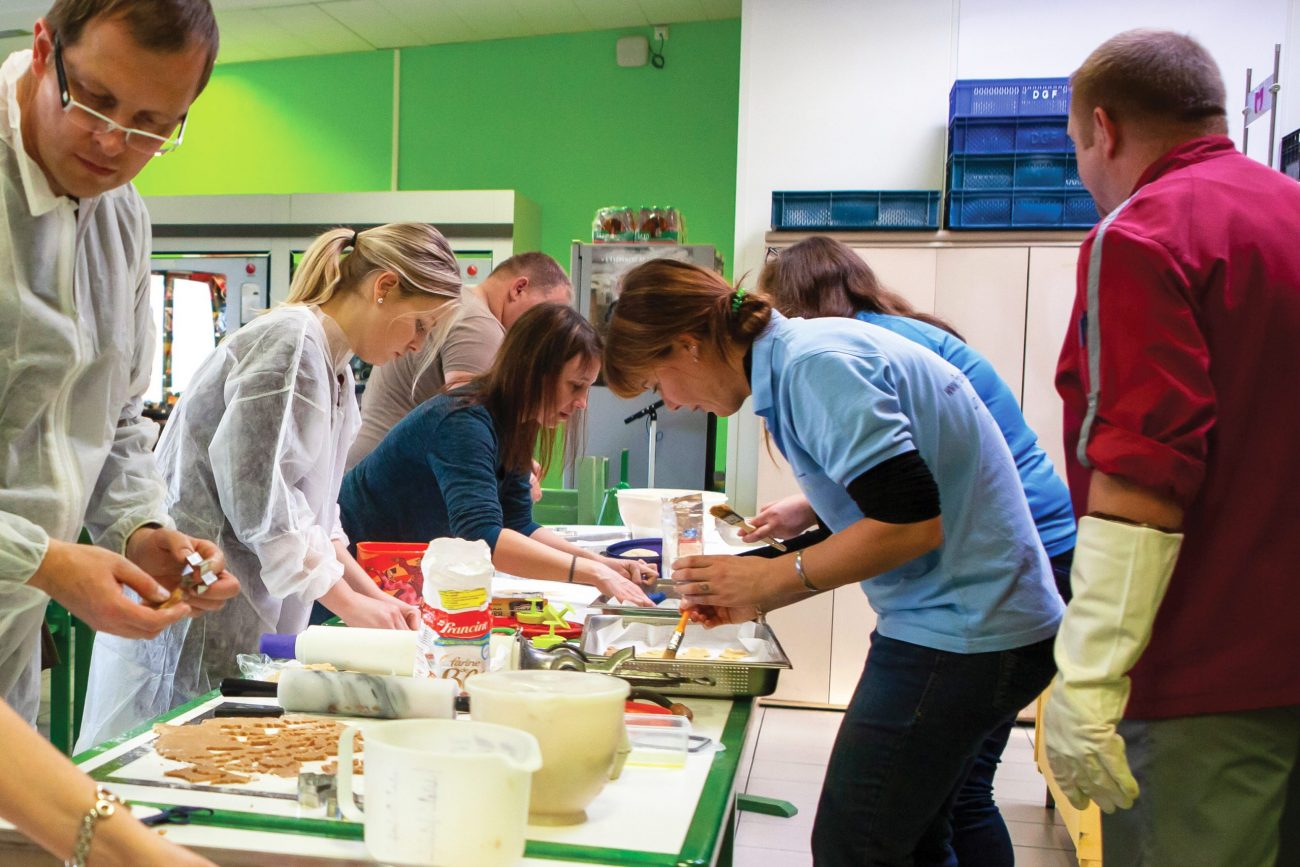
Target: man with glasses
{"points": [[105, 88]]}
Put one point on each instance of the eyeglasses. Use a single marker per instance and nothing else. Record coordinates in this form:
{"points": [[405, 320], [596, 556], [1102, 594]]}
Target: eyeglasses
{"points": [[92, 121]]}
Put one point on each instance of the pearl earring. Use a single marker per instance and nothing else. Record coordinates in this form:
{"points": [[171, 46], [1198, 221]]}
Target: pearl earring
{"points": [[381, 300]]}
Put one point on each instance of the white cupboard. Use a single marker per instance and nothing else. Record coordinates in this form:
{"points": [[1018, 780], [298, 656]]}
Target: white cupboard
{"points": [[1009, 294]]}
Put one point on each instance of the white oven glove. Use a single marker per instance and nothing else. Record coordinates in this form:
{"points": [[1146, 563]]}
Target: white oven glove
{"points": [[1119, 577]]}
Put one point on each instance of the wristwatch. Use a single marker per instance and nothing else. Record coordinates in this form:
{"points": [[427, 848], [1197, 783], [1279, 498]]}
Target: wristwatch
{"points": [[106, 804]]}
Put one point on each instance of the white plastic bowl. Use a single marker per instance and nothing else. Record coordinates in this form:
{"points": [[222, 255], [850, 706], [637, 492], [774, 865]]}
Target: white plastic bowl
{"points": [[642, 508]]}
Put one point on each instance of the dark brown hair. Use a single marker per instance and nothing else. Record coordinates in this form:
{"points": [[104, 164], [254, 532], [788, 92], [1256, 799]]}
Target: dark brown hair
{"points": [[819, 277], [542, 271], [520, 385], [662, 300], [1154, 79], [158, 25]]}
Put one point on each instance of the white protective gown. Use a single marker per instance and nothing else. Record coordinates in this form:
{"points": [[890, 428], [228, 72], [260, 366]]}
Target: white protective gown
{"points": [[76, 348], [253, 458]]}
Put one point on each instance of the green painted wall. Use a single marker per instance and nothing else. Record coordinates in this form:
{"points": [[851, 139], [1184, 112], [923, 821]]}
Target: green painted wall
{"points": [[556, 118], [553, 117], [304, 125]]}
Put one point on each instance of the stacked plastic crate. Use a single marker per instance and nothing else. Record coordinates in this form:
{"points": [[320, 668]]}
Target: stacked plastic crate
{"points": [[1010, 163], [855, 210]]}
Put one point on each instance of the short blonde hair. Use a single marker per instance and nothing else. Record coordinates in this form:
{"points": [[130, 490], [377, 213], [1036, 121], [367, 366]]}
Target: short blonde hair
{"points": [[1156, 80]]}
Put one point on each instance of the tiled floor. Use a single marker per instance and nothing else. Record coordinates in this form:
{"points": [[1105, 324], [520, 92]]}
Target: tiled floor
{"points": [[789, 762]]}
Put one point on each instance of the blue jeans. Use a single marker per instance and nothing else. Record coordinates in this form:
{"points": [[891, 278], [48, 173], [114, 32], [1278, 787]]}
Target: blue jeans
{"points": [[979, 836], [910, 737]]}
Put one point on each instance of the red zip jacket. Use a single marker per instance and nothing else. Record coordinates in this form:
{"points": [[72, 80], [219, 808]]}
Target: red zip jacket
{"points": [[1185, 342]]}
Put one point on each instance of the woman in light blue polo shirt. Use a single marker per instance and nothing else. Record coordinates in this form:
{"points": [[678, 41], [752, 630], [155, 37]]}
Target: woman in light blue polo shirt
{"points": [[880, 432], [820, 277]]}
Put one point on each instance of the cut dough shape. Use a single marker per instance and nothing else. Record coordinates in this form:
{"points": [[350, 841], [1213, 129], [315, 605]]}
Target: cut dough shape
{"points": [[227, 751], [695, 653], [638, 553], [734, 653], [211, 776]]}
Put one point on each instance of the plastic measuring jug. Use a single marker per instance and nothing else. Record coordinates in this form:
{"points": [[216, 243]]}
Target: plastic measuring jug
{"points": [[440, 792]]}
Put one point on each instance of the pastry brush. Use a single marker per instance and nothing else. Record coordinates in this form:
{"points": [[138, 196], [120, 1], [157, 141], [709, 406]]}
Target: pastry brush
{"points": [[724, 512]]}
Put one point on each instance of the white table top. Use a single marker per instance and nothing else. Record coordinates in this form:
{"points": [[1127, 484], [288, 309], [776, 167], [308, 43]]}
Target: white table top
{"points": [[647, 810]]}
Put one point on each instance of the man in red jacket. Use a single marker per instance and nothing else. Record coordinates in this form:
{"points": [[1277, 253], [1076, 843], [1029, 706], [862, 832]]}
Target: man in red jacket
{"points": [[1179, 375]]}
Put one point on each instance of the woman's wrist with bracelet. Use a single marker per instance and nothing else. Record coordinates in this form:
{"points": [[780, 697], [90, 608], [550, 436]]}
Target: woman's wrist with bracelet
{"points": [[106, 805], [802, 574]]}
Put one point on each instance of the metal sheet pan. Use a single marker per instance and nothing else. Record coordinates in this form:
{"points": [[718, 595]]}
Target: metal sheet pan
{"points": [[713, 678]]}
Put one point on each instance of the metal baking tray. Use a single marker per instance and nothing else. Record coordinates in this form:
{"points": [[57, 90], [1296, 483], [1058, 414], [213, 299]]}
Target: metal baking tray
{"points": [[713, 678]]}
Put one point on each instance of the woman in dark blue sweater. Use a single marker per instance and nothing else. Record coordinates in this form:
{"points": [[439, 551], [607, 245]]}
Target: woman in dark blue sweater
{"points": [[458, 464]]}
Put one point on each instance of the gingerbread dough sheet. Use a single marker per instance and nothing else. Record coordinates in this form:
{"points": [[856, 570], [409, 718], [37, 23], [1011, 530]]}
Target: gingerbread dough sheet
{"points": [[235, 763]]}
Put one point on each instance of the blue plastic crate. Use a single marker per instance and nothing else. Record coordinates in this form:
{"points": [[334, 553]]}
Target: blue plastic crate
{"points": [[1013, 171], [856, 209], [1008, 97], [1021, 209], [1004, 135]]}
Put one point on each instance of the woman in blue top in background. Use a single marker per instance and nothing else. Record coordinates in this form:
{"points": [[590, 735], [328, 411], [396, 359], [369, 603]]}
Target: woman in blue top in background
{"points": [[821, 277], [458, 464], [879, 432]]}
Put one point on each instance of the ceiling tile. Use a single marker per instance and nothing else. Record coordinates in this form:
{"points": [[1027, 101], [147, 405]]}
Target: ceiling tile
{"points": [[435, 21], [257, 29], [222, 5], [317, 30], [550, 16], [498, 19], [609, 14], [670, 11], [244, 37], [373, 23], [722, 10]]}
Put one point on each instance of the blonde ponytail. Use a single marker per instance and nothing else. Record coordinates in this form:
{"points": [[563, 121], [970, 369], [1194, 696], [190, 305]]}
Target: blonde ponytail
{"points": [[317, 275], [340, 259]]}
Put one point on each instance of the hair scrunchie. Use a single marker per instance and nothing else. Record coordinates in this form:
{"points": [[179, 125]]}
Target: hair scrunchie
{"points": [[737, 299]]}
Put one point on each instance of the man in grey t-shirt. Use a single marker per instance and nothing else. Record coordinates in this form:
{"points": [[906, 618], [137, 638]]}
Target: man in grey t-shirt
{"points": [[487, 310]]}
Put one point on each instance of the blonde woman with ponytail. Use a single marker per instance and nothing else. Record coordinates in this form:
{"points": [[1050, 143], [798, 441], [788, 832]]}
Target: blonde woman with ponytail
{"points": [[254, 456]]}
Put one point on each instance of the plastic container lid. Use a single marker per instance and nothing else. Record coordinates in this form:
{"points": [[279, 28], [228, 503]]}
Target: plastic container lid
{"points": [[658, 740], [278, 646]]}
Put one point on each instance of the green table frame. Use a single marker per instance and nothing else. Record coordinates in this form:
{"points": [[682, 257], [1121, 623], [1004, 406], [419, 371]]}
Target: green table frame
{"points": [[710, 833], [74, 641]]}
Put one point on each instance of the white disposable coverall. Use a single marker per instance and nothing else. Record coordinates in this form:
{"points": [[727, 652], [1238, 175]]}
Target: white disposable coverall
{"points": [[253, 458], [76, 347]]}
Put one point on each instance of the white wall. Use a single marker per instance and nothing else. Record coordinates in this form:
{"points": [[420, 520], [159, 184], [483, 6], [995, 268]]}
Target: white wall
{"points": [[1006, 38], [834, 94], [853, 94]]}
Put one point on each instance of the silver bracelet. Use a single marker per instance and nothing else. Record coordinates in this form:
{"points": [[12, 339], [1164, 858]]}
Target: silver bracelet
{"points": [[106, 804], [803, 578]]}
